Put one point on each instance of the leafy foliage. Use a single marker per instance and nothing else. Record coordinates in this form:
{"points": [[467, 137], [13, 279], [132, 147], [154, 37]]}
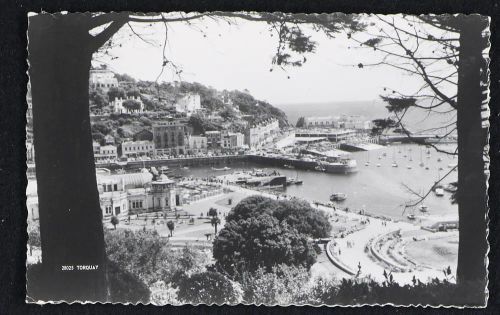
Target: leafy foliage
{"points": [[98, 98], [126, 287], [208, 288], [304, 218], [116, 92], [296, 213], [283, 285], [149, 256], [200, 125], [380, 125], [132, 105], [261, 241], [398, 104], [368, 291], [115, 221], [212, 212], [258, 110], [171, 226], [301, 122]]}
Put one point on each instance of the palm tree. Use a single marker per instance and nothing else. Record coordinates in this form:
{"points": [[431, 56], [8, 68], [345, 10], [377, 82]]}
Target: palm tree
{"points": [[212, 212], [215, 221], [171, 227], [115, 221]]}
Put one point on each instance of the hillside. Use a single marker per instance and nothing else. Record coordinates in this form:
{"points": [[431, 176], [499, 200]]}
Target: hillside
{"points": [[221, 110]]}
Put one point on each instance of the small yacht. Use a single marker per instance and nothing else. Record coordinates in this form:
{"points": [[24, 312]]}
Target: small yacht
{"points": [[408, 167], [421, 164], [225, 168], [439, 192], [426, 167], [367, 164], [411, 217], [394, 164], [423, 208], [378, 165], [439, 159]]}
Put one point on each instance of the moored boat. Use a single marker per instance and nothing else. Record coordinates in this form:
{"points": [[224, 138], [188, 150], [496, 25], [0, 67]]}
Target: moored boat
{"points": [[423, 208], [225, 168], [343, 166], [439, 192], [338, 197]]}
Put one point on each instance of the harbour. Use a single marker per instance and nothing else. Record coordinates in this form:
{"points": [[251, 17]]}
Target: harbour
{"points": [[362, 188]]}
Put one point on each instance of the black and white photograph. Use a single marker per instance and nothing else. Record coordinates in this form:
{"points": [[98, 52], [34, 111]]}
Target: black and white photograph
{"points": [[257, 158]]}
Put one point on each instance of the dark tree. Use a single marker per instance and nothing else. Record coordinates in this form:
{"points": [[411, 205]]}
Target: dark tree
{"points": [[297, 214], [212, 212], [306, 219], [116, 92], [134, 92], [251, 207], [380, 125], [98, 98], [261, 241], [171, 227], [115, 221], [301, 122], [132, 105], [215, 221]]}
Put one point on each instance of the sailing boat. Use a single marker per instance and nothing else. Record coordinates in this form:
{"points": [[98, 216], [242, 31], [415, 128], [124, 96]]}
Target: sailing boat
{"points": [[394, 164], [423, 208], [421, 164], [368, 162], [411, 216]]}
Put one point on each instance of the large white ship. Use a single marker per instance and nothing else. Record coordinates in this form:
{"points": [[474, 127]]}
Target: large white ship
{"points": [[341, 166]]}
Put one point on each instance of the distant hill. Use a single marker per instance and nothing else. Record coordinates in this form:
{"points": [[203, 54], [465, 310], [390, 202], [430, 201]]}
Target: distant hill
{"points": [[232, 110], [416, 119]]}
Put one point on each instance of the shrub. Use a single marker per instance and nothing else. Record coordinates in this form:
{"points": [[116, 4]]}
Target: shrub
{"points": [[283, 285], [263, 241], [208, 288]]}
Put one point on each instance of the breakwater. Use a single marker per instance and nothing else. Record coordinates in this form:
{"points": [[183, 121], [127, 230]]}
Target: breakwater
{"points": [[177, 162], [279, 161]]}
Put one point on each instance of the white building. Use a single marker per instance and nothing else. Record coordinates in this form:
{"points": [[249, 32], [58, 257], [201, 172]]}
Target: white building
{"points": [[105, 153], [102, 78], [189, 104], [137, 148], [118, 107], [262, 133], [324, 121], [122, 194], [332, 134], [344, 122]]}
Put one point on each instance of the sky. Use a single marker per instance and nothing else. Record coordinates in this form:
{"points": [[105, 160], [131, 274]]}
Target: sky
{"points": [[239, 57]]}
